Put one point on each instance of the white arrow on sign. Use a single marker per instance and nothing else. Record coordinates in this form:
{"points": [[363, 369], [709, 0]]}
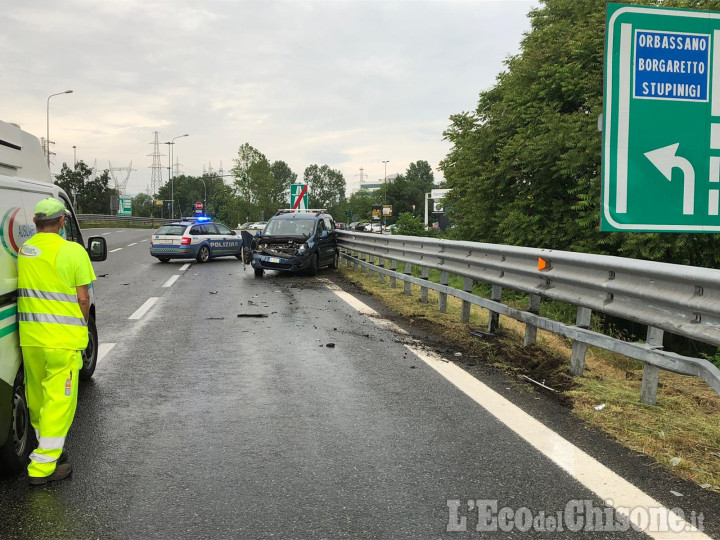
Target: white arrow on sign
{"points": [[665, 159]]}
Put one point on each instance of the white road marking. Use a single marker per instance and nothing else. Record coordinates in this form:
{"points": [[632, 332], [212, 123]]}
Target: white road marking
{"points": [[131, 244], [141, 241], [104, 349], [184, 267], [172, 280], [105, 233], [592, 474], [114, 250], [143, 309]]}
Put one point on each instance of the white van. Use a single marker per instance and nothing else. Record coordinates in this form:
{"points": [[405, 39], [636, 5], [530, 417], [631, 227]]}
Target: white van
{"points": [[24, 180]]}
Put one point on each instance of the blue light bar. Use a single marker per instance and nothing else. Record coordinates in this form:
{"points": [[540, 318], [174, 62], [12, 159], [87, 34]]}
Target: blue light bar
{"points": [[203, 218]]}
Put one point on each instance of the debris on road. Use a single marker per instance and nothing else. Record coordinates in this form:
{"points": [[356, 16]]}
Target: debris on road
{"points": [[213, 292], [599, 407], [256, 315], [675, 461], [676, 493], [330, 345], [542, 384]]}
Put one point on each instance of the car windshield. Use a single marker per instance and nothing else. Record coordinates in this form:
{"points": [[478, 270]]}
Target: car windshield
{"points": [[289, 227], [172, 230]]}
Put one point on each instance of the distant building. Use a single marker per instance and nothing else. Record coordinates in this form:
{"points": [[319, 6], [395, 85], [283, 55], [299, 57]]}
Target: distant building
{"points": [[374, 186]]}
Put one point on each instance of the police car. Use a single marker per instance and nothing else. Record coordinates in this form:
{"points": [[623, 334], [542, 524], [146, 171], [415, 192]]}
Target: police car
{"points": [[195, 238]]}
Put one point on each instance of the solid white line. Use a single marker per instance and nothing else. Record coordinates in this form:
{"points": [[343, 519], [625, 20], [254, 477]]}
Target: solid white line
{"points": [[184, 267], [150, 302], [623, 128], [172, 280], [114, 250], [131, 244], [104, 349], [608, 485], [715, 104]]}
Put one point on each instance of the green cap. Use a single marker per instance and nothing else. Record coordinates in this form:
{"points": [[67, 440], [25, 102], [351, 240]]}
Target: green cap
{"points": [[49, 209]]}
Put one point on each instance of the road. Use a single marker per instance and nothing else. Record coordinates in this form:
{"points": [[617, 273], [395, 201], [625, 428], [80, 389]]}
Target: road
{"points": [[229, 406]]}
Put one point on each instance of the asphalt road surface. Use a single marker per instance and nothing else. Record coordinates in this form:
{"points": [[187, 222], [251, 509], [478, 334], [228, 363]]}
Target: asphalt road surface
{"points": [[229, 406]]}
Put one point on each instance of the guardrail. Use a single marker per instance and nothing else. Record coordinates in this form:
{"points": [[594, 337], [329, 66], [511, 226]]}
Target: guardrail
{"points": [[88, 220], [682, 300]]}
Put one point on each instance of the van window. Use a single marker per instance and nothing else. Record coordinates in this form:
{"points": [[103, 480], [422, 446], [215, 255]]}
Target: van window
{"points": [[72, 230]]}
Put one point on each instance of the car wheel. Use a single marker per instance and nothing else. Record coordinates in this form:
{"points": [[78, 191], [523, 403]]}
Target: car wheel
{"points": [[21, 436], [164, 259], [314, 265], [203, 255], [259, 272], [336, 260], [89, 355]]}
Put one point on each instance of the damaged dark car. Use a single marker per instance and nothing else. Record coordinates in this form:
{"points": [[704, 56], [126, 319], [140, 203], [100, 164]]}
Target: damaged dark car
{"points": [[294, 241]]}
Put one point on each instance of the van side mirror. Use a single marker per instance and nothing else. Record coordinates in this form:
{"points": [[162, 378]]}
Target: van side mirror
{"points": [[97, 248]]}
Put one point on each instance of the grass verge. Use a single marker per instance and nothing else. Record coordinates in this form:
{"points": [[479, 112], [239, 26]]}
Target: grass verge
{"points": [[681, 433]]}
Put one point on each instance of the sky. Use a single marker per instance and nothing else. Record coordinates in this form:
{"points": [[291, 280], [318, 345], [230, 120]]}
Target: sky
{"points": [[349, 84]]}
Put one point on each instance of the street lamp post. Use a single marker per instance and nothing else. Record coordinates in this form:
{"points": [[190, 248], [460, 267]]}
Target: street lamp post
{"points": [[172, 185], [385, 181], [47, 134]]}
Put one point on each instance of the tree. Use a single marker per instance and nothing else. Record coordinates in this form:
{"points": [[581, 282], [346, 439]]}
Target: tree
{"points": [[410, 225], [326, 186], [420, 176], [142, 205], [360, 204], [89, 196], [283, 177]]}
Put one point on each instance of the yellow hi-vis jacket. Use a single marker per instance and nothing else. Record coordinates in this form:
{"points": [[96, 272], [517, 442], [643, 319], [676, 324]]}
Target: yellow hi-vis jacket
{"points": [[49, 315]]}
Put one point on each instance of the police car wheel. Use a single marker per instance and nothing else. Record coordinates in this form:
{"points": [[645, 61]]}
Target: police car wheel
{"points": [[89, 355], [21, 437], [259, 272], [203, 255]]}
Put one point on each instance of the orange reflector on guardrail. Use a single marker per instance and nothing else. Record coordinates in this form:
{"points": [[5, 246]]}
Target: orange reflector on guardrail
{"points": [[544, 264]]}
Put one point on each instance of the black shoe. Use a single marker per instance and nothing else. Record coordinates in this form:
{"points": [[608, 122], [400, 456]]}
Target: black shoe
{"points": [[63, 458], [62, 472]]}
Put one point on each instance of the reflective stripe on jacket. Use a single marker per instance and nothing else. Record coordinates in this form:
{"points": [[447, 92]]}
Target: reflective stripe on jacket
{"points": [[48, 311]]}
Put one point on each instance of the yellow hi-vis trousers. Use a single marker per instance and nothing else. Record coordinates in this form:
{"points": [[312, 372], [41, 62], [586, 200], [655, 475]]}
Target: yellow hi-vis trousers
{"points": [[51, 388]]}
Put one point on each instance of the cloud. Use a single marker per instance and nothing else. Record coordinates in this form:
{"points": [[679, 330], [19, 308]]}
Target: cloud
{"points": [[347, 83]]}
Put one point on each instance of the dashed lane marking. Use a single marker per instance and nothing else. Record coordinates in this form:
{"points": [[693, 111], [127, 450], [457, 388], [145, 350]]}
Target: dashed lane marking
{"points": [[172, 280], [184, 267], [134, 243], [114, 250], [142, 310], [104, 349]]}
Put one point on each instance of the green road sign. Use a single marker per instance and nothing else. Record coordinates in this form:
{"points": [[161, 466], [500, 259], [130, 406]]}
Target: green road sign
{"points": [[125, 206], [299, 196], [661, 123]]}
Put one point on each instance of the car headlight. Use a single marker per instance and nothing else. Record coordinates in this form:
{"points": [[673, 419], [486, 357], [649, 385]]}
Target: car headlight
{"points": [[302, 249]]}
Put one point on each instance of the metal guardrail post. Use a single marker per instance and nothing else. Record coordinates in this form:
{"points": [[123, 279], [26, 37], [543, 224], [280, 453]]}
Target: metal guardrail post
{"points": [[651, 373], [467, 287], [356, 265], [442, 297], [371, 259], [407, 270], [531, 330], [381, 264], [424, 274], [393, 267], [577, 360], [493, 316]]}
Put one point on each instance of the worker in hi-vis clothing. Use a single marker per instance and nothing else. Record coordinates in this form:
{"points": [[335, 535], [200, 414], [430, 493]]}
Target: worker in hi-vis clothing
{"points": [[53, 309]]}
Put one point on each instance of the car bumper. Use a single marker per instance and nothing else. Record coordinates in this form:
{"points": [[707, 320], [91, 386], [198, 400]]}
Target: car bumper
{"points": [[292, 264], [174, 252]]}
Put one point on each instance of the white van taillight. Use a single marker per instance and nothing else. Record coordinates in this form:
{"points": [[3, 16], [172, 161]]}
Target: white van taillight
{"points": [[185, 241]]}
